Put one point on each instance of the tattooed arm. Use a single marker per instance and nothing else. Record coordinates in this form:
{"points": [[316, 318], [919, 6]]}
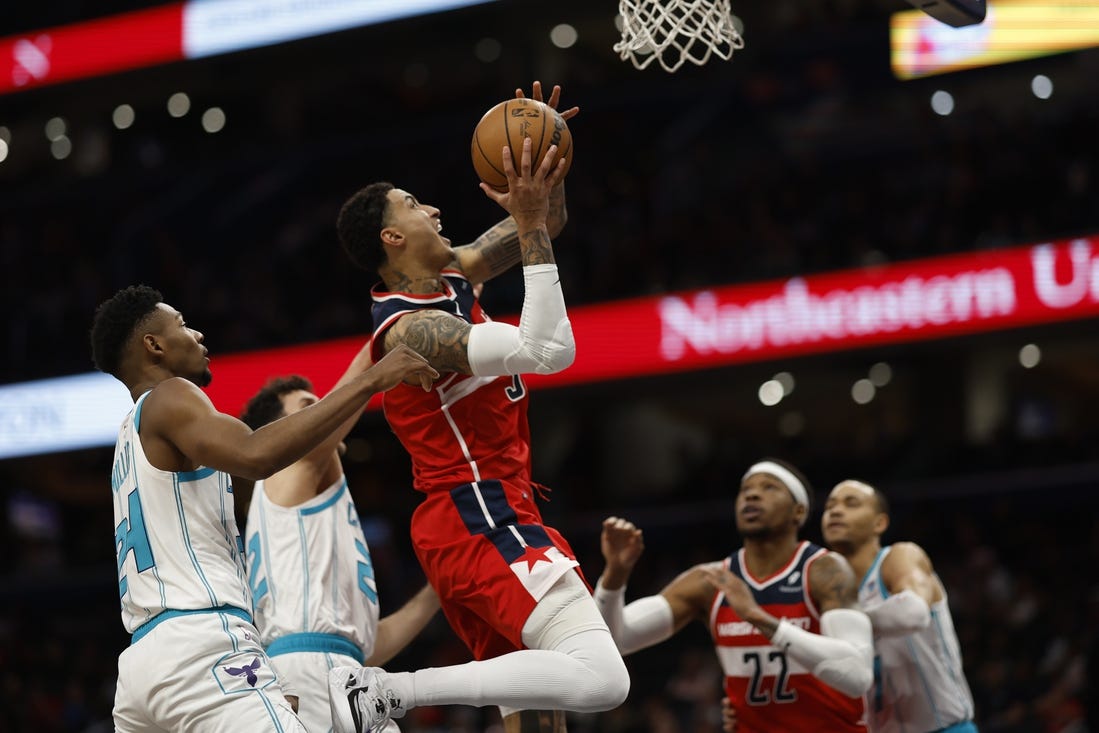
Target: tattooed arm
{"points": [[543, 342], [498, 250], [841, 655], [832, 583]]}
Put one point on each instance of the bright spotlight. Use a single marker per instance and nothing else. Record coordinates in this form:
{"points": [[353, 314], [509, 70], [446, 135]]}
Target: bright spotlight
{"points": [[563, 35], [1029, 356], [61, 147], [123, 116], [863, 391], [786, 379], [942, 103], [881, 374], [179, 104], [213, 120], [1042, 86], [55, 128], [770, 393]]}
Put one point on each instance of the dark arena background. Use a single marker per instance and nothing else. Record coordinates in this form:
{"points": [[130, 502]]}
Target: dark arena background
{"points": [[741, 220]]}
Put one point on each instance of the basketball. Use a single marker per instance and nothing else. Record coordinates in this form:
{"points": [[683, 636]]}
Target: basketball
{"points": [[507, 124]]}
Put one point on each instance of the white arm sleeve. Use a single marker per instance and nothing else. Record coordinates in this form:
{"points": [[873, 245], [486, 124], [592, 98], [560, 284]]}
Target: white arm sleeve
{"points": [[643, 623], [901, 614], [841, 656], [542, 344]]}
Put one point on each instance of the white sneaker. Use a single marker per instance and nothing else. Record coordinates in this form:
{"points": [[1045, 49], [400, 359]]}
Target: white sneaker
{"points": [[360, 700]]}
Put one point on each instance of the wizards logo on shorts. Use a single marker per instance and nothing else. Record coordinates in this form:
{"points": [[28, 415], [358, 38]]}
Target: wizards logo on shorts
{"points": [[243, 671]]}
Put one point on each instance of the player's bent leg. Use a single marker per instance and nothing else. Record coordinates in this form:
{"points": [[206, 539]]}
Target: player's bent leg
{"points": [[577, 667], [567, 620]]}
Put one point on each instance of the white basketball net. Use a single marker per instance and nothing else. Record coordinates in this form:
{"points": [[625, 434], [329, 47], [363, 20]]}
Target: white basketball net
{"points": [[672, 32]]}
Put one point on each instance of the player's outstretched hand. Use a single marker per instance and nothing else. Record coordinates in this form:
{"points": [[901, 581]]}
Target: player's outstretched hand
{"points": [[622, 543], [555, 98], [402, 364], [527, 196]]}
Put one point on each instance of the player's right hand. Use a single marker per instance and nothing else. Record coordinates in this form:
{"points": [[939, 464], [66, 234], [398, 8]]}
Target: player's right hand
{"points": [[402, 364], [621, 542], [555, 98]]}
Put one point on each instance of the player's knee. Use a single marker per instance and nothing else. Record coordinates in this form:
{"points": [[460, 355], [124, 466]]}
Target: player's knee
{"points": [[613, 687]]}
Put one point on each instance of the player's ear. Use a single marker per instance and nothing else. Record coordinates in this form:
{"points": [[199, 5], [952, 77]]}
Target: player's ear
{"points": [[881, 523], [151, 344], [392, 237]]}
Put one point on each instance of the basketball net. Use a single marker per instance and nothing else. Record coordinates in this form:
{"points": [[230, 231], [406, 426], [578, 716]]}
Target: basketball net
{"points": [[673, 32]]}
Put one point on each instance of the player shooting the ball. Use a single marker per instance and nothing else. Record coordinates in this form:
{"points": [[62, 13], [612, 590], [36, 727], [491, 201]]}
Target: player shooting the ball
{"points": [[509, 585]]}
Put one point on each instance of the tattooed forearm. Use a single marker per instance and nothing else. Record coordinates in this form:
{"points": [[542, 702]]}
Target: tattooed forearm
{"points": [[499, 247], [558, 213], [439, 337], [537, 248]]}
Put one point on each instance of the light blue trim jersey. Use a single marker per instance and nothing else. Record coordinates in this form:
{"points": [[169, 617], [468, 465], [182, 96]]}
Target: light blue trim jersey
{"points": [[919, 685], [176, 538], [309, 568]]}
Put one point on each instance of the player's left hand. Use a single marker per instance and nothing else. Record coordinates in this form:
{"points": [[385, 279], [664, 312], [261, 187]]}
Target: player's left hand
{"points": [[736, 590], [529, 185], [728, 716], [554, 100]]}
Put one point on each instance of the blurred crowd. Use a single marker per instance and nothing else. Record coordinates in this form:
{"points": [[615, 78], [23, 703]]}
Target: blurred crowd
{"points": [[786, 167], [671, 190], [1026, 618]]}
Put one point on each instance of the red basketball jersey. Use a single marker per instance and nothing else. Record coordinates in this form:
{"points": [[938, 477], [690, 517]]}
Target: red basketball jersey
{"points": [[467, 428], [771, 692], [478, 533]]}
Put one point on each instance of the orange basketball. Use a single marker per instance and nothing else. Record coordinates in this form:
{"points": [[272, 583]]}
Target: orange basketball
{"points": [[507, 124]]}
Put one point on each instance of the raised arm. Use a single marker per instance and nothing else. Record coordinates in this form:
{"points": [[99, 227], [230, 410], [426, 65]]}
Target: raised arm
{"points": [[841, 656], [497, 250], [396, 630], [301, 480], [650, 620], [910, 579], [182, 430], [543, 342]]}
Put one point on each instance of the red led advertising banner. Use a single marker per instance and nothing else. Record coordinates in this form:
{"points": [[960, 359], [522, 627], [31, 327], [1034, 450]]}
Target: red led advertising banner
{"points": [[701, 329], [187, 30]]}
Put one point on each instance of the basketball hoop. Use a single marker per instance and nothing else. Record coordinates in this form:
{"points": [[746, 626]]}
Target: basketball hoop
{"points": [[673, 32]]}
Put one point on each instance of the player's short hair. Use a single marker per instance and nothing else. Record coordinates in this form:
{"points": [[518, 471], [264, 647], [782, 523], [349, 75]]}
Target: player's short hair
{"points": [[266, 405], [115, 321], [880, 497], [360, 223]]}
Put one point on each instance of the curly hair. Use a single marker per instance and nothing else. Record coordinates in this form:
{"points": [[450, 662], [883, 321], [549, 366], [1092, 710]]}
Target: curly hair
{"points": [[359, 225], [116, 320], [266, 405]]}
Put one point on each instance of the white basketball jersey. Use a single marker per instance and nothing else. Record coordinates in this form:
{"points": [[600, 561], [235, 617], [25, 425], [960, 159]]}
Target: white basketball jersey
{"points": [[176, 538], [919, 685], [309, 568]]}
